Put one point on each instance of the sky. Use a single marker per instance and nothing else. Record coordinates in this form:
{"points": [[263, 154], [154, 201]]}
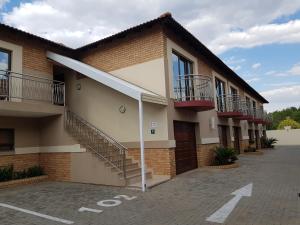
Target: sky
{"points": [[259, 40]]}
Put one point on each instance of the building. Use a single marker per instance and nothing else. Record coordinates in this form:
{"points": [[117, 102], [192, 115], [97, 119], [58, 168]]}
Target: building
{"points": [[76, 112]]}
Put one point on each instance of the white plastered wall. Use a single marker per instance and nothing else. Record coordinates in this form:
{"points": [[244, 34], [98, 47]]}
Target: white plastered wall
{"points": [[149, 75], [100, 105]]}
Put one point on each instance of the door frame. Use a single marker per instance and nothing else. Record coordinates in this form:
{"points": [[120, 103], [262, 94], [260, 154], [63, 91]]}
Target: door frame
{"points": [[194, 143]]}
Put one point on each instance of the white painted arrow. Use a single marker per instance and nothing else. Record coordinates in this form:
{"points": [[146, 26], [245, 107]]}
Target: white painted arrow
{"points": [[221, 214]]}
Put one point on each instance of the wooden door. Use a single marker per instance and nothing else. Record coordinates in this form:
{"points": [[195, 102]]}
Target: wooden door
{"points": [[223, 135], [185, 151], [237, 133]]}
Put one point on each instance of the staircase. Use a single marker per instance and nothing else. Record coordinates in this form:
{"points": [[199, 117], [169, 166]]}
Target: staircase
{"points": [[106, 148]]}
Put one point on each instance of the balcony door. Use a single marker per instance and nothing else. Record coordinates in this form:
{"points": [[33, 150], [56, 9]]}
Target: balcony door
{"points": [[234, 99], [248, 105], [220, 91], [182, 81], [5, 66], [254, 108]]}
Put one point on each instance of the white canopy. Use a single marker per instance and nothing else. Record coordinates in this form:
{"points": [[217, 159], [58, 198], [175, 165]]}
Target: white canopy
{"points": [[107, 79]]}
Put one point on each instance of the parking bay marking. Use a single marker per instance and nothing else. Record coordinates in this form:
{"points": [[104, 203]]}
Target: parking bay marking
{"points": [[107, 203], [221, 214], [36, 214]]}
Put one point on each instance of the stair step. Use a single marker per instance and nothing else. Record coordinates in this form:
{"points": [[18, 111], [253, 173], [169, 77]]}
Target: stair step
{"points": [[132, 166], [131, 172], [137, 178], [128, 162], [129, 167]]}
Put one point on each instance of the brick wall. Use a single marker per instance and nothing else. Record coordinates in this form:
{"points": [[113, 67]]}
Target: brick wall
{"points": [[130, 50], [34, 58], [161, 161], [57, 165], [205, 154], [20, 162]]}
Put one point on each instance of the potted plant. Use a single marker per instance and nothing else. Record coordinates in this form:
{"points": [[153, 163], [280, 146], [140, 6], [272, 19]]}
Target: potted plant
{"points": [[269, 142], [225, 156]]}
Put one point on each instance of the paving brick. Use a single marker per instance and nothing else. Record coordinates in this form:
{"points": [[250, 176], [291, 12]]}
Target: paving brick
{"points": [[187, 199]]}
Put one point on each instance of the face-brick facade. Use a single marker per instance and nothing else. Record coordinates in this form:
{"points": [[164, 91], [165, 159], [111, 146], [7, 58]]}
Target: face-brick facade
{"points": [[132, 53]]}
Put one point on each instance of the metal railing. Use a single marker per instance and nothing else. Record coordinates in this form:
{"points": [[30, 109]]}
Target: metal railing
{"points": [[192, 87], [100, 143], [26, 87], [258, 113], [267, 117], [229, 103], [246, 108]]}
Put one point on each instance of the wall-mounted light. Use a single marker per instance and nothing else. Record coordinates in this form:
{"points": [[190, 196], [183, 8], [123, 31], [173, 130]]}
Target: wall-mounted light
{"points": [[78, 86], [122, 109]]}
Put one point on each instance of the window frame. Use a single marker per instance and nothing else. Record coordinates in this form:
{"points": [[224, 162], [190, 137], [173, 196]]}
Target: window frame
{"points": [[11, 145], [186, 90], [9, 53]]}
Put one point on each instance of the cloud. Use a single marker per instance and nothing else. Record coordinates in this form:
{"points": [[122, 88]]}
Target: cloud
{"points": [[288, 83], [236, 68], [290, 94], [259, 35], [252, 80], [256, 65], [220, 26], [271, 72], [295, 70], [233, 60], [2, 3]]}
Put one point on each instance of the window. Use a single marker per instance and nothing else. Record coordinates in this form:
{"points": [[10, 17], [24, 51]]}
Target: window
{"points": [[220, 87], [233, 91], [5, 59], [7, 140], [182, 68], [234, 99], [248, 102], [220, 91], [254, 107], [5, 64]]}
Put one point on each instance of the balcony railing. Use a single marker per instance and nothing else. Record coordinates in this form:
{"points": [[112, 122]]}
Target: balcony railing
{"points": [[267, 118], [229, 104], [193, 88], [14, 86], [258, 113]]}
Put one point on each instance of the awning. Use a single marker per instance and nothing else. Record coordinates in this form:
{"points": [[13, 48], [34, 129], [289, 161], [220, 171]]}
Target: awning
{"points": [[107, 79]]}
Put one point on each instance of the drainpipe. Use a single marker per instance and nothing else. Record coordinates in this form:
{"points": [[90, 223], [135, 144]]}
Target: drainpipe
{"points": [[141, 123]]}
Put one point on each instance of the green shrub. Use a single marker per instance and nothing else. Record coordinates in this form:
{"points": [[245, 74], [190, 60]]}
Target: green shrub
{"points": [[6, 173], [269, 142], [20, 175], [225, 156], [288, 122], [35, 171]]}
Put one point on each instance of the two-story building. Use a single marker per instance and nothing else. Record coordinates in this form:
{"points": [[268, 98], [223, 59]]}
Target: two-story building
{"points": [[87, 114]]}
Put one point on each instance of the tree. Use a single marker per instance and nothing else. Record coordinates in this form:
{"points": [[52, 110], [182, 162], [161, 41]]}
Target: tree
{"points": [[288, 122], [278, 116]]}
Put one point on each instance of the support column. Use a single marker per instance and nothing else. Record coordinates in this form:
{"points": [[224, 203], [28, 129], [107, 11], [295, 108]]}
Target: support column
{"points": [[142, 148]]}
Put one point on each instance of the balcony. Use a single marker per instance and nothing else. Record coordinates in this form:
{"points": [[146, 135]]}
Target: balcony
{"points": [[258, 116], [229, 106], [267, 118], [194, 92], [26, 95]]}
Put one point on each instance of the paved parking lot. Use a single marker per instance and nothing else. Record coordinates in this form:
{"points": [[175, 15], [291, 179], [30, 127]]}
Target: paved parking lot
{"points": [[188, 199]]}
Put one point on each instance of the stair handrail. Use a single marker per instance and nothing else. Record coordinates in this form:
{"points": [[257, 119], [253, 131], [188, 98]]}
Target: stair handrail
{"points": [[122, 149]]}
